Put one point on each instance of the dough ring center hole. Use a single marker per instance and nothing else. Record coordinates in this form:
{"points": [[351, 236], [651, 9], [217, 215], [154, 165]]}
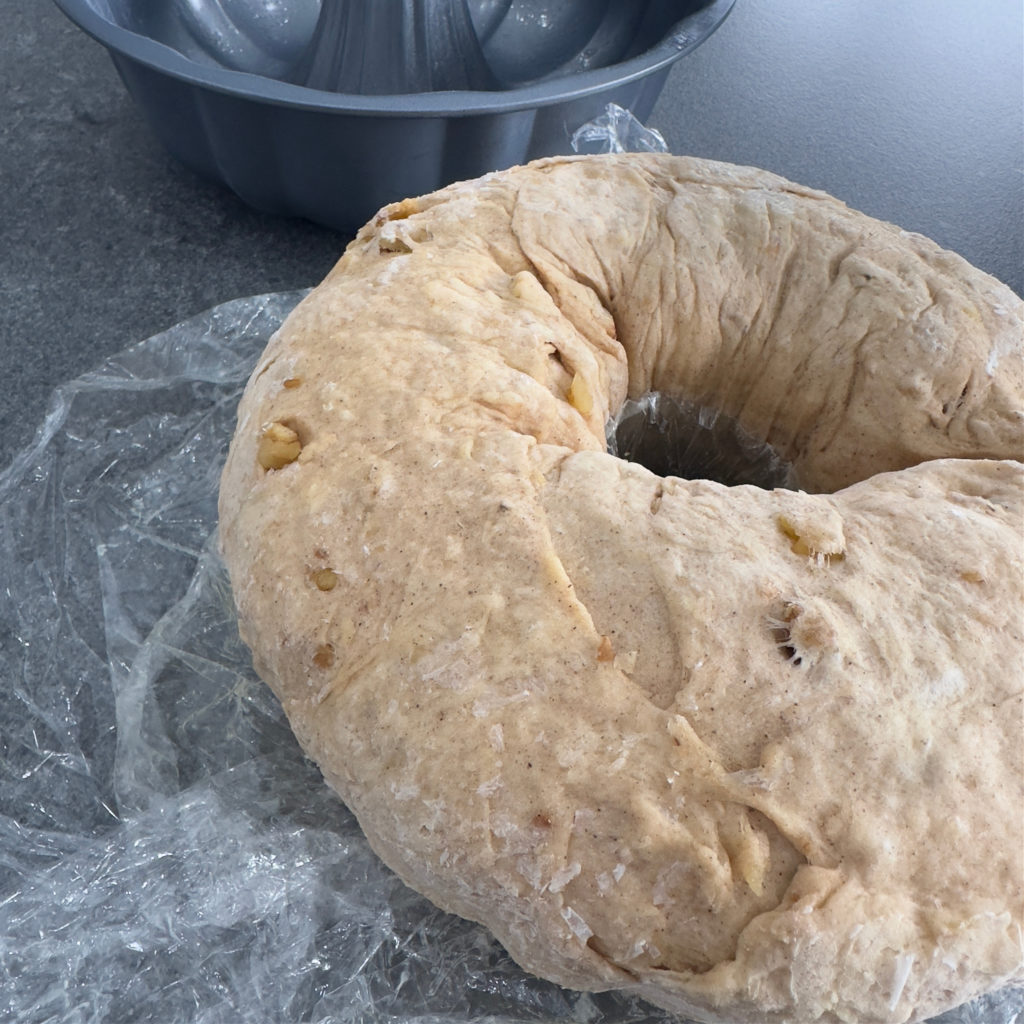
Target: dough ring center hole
{"points": [[672, 436]]}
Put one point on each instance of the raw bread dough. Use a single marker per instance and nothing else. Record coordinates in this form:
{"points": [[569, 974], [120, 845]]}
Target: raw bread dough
{"points": [[755, 755]]}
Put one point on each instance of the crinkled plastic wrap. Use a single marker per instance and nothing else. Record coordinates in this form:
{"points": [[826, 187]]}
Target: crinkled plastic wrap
{"points": [[617, 130], [674, 437], [166, 851]]}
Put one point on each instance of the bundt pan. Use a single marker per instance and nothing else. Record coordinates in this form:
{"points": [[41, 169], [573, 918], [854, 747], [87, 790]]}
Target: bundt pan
{"points": [[328, 109]]}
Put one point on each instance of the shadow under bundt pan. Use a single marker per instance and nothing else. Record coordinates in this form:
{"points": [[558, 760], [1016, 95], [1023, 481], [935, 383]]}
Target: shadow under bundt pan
{"points": [[329, 109]]}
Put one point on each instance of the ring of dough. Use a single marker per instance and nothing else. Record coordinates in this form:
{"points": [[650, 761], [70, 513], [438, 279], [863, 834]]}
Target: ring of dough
{"points": [[755, 755]]}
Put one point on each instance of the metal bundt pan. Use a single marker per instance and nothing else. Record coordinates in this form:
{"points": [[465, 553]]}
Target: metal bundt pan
{"points": [[328, 109]]}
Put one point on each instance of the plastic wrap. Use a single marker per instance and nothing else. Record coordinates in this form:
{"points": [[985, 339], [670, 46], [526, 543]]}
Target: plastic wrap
{"points": [[617, 130], [674, 437], [166, 851]]}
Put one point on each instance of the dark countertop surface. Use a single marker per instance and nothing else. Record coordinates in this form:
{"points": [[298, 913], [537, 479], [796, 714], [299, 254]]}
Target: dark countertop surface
{"points": [[912, 112]]}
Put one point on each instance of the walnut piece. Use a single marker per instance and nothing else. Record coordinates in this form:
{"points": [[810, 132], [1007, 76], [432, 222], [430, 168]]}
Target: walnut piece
{"points": [[279, 446], [325, 579], [580, 397], [324, 656]]}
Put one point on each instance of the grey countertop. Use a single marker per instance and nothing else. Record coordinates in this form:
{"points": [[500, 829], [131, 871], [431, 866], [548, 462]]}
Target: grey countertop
{"points": [[912, 112]]}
